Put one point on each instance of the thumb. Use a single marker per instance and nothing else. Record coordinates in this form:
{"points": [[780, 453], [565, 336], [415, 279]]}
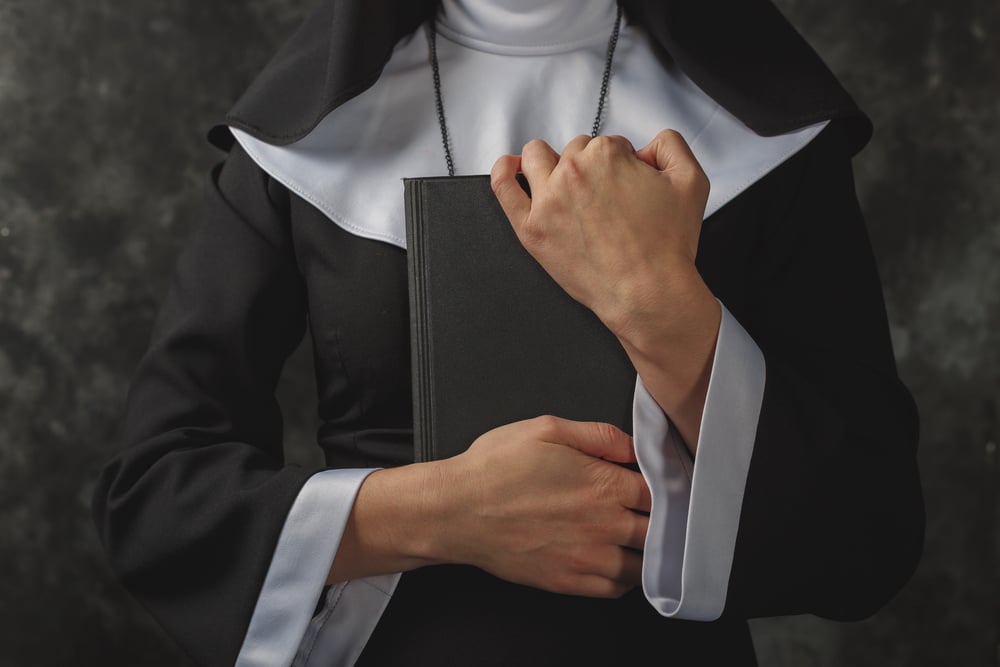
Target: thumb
{"points": [[667, 152], [598, 439]]}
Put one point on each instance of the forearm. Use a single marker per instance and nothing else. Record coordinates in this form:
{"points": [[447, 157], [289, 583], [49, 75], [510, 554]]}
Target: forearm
{"points": [[672, 349], [394, 524]]}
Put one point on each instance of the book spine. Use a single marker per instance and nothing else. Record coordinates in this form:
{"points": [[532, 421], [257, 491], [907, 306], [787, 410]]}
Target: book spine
{"points": [[420, 345]]}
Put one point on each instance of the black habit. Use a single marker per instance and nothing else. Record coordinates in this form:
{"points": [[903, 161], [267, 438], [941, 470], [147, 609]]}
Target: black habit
{"points": [[832, 520]]}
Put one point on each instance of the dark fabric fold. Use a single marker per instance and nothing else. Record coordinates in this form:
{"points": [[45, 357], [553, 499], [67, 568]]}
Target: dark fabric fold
{"points": [[190, 509]]}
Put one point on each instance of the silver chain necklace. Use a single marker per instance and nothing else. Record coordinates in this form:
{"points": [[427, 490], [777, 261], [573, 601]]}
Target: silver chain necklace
{"points": [[445, 140]]}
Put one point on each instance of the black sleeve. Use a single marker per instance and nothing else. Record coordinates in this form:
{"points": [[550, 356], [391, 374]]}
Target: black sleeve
{"points": [[832, 520], [190, 510]]}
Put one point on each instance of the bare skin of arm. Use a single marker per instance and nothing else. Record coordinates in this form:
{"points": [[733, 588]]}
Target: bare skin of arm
{"points": [[542, 502]]}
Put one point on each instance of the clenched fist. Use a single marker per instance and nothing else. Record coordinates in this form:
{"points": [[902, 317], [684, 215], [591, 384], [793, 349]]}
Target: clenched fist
{"points": [[616, 228]]}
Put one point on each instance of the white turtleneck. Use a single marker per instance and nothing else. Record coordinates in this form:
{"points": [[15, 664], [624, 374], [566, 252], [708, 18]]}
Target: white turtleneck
{"points": [[513, 70], [529, 27]]}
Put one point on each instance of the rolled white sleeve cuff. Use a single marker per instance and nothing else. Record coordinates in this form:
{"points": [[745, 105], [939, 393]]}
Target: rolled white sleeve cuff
{"points": [[283, 622], [696, 507]]}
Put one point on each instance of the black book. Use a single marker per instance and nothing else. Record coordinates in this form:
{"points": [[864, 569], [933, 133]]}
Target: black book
{"points": [[493, 338]]}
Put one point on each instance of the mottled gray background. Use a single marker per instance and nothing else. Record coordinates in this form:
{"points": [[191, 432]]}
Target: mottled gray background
{"points": [[102, 109]]}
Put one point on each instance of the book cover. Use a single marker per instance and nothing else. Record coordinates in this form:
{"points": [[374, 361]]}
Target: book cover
{"points": [[493, 338]]}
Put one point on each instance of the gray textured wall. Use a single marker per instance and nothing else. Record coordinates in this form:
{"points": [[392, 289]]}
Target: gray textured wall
{"points": [[102, 109]]}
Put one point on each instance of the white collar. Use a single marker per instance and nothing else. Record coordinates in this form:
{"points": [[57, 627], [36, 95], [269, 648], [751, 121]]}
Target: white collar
{"points": [[351, 165]]}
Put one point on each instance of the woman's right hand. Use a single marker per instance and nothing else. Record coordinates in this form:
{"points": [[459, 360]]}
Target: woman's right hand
{"points": [[542, 502]]}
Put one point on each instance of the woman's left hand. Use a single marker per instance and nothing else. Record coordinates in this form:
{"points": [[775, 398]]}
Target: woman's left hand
{"points": [[618, 229]]}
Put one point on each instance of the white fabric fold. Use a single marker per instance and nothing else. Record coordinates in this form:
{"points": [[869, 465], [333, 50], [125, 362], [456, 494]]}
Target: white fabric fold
{"points": [[534, 27], [299, 567], [338, 634], [695, 516], [352, 164]]}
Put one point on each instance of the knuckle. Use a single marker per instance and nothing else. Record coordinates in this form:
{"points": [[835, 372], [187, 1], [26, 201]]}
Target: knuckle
{"points": [[546, 426], [546, 201], [500, 186], [638, 527], [645, 505], [578, 559], [622, 143], [531, 232], [534, 145], [632, 493], [692, 177], [606, 488], [607, 433], [703, 185], [629, 491], [606, 145], [600, 435], [699, 187], [535, 149], [669, 136], [628, 529], [639, 486], [572, 167], [499, 180]]}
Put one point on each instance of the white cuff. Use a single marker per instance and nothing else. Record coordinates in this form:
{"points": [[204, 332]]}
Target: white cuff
{"points": [[695, 515], [299, 567], [339, 633]]}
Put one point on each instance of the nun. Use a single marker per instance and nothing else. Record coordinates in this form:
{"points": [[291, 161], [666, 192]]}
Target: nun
{"points": [[690, 171]]}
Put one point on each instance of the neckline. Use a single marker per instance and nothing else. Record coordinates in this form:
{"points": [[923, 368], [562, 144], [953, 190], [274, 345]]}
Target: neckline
{"points": [[526, 28]]}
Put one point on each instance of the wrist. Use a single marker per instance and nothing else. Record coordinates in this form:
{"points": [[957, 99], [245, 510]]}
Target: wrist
{"points": [[399, 514], [674, 313], [673, 354], [448, 512], [402, 518]]}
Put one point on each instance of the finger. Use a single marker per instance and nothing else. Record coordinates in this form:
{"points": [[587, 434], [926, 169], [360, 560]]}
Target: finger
{"points": [[668, 151], [538, 159], [635, 492], [513, 199], [618, 566], [598, 439], [575, 145], [630, 568], [647, 155], [608, 561], [634, 527], [595, 586]]}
